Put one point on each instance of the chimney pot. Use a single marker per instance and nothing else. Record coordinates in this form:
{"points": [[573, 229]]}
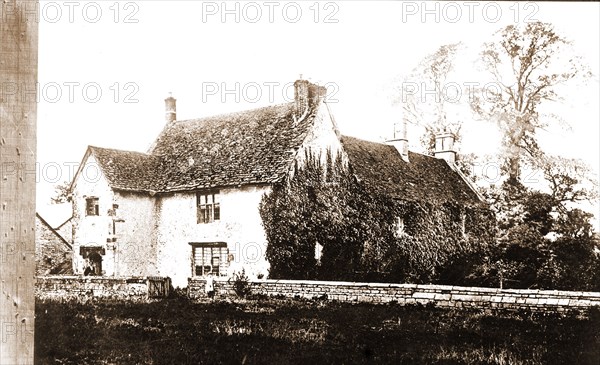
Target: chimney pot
{"points": [[170, 108]]}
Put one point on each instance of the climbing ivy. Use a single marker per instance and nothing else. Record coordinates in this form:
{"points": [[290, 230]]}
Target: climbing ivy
{"points": [[358, 230]]}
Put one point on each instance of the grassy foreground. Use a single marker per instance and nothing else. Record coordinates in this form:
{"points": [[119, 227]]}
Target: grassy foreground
{"points": [[286, 331]]}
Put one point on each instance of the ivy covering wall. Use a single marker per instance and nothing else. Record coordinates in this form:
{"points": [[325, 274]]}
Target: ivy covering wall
{"points": [[360, 232]]}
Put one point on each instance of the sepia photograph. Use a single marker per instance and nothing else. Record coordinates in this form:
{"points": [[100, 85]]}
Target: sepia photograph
{"points": [[292, 182]]}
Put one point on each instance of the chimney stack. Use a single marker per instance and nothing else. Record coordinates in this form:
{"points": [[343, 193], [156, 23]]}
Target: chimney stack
{"points": [[400, 140], [307, 96], [444, 146], [170, 109]]}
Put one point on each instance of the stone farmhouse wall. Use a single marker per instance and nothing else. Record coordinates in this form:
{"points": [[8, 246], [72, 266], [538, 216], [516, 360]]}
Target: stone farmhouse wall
{"points": [[52, 254], [438, 295], [84, 288]]}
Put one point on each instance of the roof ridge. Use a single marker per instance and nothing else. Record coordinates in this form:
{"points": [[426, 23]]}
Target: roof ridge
{"points": [[221, 115]]}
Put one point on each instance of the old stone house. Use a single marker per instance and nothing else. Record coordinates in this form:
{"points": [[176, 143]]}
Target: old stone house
{"points": [[189, 206]]}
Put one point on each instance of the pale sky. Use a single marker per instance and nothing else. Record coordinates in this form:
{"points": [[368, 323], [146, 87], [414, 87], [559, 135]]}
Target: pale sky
{"points": [[357, 48]]}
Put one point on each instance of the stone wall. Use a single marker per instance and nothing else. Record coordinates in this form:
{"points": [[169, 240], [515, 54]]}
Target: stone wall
{"points": [[97, 287], [134, 241], [438, 295], [52, 253]]}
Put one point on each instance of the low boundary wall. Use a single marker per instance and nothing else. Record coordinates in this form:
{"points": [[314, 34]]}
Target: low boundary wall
{"points": [[438, 295], [99, 287]]}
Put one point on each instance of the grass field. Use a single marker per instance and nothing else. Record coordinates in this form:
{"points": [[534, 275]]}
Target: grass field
{"points": [[286, 331]]}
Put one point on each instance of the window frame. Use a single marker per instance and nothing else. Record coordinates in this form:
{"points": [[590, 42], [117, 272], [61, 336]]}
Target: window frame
{"points": [[216, 250], [95, 205], [208, 206]]}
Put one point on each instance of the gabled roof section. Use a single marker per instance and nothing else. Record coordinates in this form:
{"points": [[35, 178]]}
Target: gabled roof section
{"points": [[128, 170], [425, 178], [249, 147]]}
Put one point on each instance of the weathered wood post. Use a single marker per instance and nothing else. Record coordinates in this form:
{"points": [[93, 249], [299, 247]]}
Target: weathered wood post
{"points": [[18, 108]]}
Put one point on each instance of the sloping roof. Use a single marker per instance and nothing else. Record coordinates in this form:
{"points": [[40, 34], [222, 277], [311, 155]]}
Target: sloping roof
{"points": [[424, 178], [249, 147], [49, 227], [127, 170], [56, 215], [254, 146]]}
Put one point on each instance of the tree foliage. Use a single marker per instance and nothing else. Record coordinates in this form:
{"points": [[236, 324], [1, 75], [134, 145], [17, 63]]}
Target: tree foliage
{"points": [[543, 242], [61, 193], [527, 65], [537, 240]]}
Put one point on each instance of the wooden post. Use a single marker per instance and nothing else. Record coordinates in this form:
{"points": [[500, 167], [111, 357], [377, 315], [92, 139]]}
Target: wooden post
{"points": [[18, 113]]}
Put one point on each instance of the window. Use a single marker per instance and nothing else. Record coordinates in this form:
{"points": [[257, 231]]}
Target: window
{"points": [[209, 207], [92, 207], [400, 228], [209, 258]]}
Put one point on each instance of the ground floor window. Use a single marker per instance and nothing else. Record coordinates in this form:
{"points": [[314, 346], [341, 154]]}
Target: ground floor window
{"points": [[209, 258]]}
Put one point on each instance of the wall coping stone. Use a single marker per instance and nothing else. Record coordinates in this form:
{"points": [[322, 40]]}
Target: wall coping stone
{"points": [[442, 295]]}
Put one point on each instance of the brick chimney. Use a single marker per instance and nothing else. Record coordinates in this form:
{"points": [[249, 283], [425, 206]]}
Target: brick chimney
{"points": [[400, 140], [307, 96], [170, 109], [444, 146]]}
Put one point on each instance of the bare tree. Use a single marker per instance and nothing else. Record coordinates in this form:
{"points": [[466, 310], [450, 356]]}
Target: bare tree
{"points": [[527, 66]]}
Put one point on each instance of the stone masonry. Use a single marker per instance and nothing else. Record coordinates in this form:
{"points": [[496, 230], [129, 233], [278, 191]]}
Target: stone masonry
{"points": [[83, 288], [438, 295]]}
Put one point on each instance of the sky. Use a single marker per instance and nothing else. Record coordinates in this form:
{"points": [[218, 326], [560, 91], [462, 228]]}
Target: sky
{"points": [[105, 67]]}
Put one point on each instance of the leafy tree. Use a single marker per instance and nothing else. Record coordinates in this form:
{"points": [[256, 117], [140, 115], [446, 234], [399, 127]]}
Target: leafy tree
{"points": [[542, 236], [544, 241], [575, 224], [61, 193], [527, 65], [570, 180]]}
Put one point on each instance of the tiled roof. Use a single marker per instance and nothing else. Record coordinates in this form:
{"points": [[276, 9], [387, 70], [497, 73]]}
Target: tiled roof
{"points": [[424, 178], [249, 147], [127, 170], [254, 146], [259, 146]]}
